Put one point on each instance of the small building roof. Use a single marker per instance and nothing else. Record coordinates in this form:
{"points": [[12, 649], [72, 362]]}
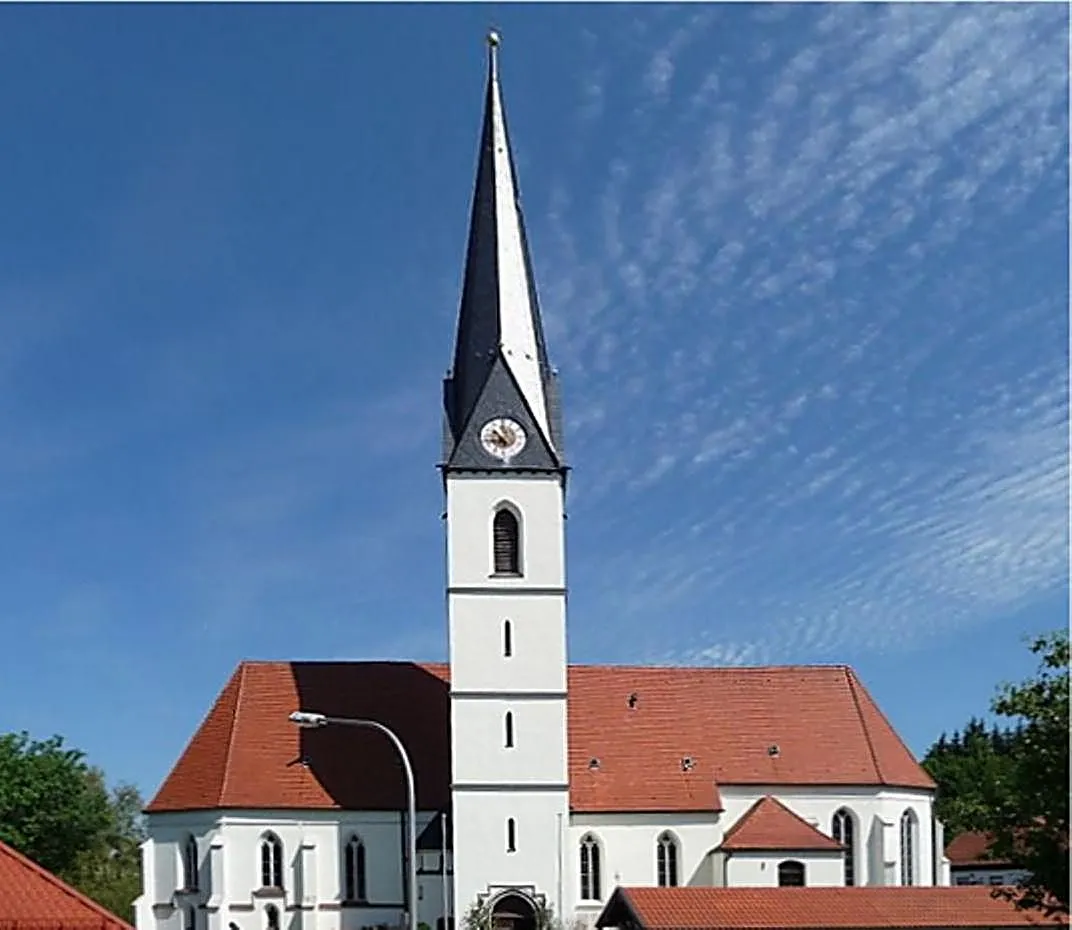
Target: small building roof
{"points": [[641, 739], [32, 898], [815, 908], [770, 825], [971, 850]]}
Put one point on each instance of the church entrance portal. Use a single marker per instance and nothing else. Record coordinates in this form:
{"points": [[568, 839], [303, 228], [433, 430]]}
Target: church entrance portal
{"points": [[513, 911]]}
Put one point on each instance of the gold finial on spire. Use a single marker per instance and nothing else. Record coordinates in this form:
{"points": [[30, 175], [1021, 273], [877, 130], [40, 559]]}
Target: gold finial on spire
{"points": [[494, 39]]}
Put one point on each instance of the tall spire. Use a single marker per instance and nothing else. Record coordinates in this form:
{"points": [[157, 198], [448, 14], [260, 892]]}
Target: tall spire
{"points": [[500, 360]]}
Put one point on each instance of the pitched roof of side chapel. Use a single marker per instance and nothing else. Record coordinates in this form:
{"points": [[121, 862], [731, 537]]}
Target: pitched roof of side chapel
{"points": [[640, 738], [815, 908], [32, 898], [973, 849], [768, 825]]}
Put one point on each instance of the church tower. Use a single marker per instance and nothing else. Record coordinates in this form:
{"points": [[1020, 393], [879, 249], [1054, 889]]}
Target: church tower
{"points": [[504, 475]]}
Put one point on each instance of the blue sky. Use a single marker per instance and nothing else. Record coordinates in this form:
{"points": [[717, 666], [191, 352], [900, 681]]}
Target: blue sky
{"points": [[804, 272]]}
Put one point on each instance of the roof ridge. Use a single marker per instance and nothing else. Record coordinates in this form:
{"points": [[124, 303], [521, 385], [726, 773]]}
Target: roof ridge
{"points": [[241, 687], [850, 680], [792, 813], [60, 884], [860, 686]]}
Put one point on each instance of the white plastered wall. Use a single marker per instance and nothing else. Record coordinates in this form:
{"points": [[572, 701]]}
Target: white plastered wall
{"points": [[229, 886], [492, 783]]}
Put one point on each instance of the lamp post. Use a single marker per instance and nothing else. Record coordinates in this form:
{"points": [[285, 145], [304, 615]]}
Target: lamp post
{"points": [[314, 721]]}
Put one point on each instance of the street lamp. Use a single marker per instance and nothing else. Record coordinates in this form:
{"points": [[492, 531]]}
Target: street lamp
{"points": [[314, 721]]}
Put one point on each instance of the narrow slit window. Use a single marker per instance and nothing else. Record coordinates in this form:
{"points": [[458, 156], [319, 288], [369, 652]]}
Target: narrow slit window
{"points": [[511, 835], [271, 917], [845, 834], [667, 861], [908, 848], [189, 857], [590, 883], [509, 726], [271, 862], [506, 537], [508, 639], [355, 870]]}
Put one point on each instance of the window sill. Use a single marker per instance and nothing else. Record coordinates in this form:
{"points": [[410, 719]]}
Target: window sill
{"points": [[354, 902], [187, 891], [506, 575], [269, 891]]}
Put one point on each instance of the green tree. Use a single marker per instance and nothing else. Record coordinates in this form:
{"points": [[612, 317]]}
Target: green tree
{"points": [[109, 871], [52, 807], [57, 810], [972, 769], [1029, 821]]}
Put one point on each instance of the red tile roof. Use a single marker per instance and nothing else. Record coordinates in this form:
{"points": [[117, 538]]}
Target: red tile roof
{"points": [[640, 739], [33, 899], [768, 825], [970, 849], [815, 908]]}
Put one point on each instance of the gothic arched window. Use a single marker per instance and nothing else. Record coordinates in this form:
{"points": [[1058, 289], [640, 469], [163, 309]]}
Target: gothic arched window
{"points": [[506, 542], [511, 835], [272, 863], [590, 871], [844, 831], [354, 870], [271, 917], [189, 919], [189, 864], [909, 828], [509, 729], [791, 874], [666, 860], [508, 639]]}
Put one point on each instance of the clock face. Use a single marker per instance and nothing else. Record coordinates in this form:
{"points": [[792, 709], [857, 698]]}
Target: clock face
{"points": [[503, 438]]}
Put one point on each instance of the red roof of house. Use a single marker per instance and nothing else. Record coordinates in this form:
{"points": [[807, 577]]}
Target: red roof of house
{"points": [[815, 908], [640, 739], [768, 825], [33, 899], [970, 849]]}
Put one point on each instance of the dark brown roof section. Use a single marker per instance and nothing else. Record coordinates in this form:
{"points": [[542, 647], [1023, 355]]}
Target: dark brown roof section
{"points": [[247, 754]]}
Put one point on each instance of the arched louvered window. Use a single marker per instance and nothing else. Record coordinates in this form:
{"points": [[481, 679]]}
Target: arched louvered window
{"points": [[189, 864], [511, 835], [271, 917], [666, 860], [509, 722], [271, 862], [844, 831], [590, 869], [791, 874], [909, 829], [354, 870], [508, 639], [506, 540]]}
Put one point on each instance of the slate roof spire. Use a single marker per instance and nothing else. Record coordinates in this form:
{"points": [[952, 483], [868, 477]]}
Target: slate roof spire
{"points": [[500, 364]]}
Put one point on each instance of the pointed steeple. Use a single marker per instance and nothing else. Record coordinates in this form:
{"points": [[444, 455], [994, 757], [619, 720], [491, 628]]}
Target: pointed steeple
{"points": [[500, 361]]}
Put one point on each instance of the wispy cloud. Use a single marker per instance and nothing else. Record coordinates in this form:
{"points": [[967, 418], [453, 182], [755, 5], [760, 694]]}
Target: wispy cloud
{"points": [[819, 296]]}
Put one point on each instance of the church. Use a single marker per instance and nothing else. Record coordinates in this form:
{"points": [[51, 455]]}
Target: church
{"points": [[539, 787]]}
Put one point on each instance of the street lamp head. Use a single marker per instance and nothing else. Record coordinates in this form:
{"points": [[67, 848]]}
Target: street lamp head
{"points": [[307, 720]]}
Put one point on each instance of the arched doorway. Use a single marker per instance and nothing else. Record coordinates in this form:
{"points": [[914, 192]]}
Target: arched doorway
{"points": [[513, 911]]}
